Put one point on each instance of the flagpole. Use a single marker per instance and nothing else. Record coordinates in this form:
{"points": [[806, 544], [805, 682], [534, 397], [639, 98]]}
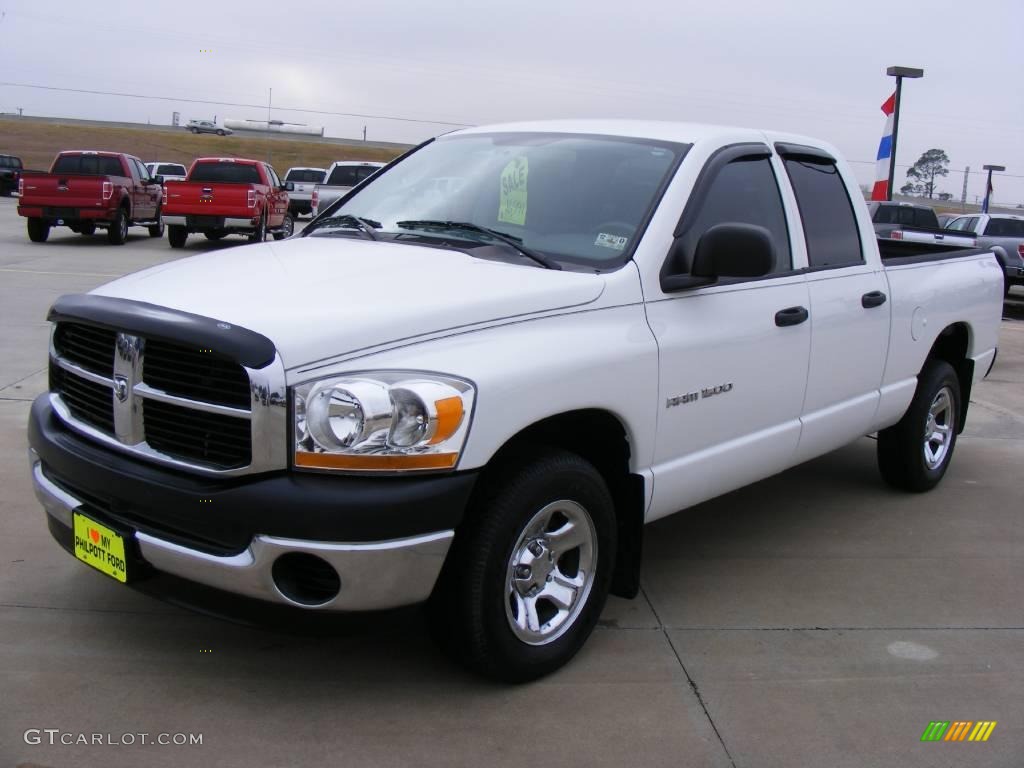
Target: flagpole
{"points": [[988, 184], [899, 73]]}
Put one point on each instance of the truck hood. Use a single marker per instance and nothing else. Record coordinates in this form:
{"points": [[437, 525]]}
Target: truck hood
{"points": [[321, 297]]}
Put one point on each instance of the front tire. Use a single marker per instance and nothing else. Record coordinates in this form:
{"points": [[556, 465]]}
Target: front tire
{"points": [[117, 232], [177, 235], [88, 229], [913, 454], [220, 133], [215, 235], [38, 230], [529, 571]]}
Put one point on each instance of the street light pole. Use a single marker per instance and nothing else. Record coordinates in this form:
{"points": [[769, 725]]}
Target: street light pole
{"points": [[899, 73], [988, 183]]}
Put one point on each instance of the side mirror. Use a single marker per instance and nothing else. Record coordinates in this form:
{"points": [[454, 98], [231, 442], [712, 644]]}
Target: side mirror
{"points": [[158, 179], [724, 250], [288, 186], [734, 250]]}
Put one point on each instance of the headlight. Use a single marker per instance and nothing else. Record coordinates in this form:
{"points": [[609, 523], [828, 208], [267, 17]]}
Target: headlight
{"points": [[381, 421]]}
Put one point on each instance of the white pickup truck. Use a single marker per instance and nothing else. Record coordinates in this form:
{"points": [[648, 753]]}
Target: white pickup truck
{"points": [[477, 392]]}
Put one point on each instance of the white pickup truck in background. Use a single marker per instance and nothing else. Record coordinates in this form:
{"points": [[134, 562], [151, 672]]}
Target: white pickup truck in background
{"points": [[339, 180], [477, 392], [915, 224]]}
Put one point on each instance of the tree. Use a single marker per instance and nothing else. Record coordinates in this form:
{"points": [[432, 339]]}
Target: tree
{"points": [[922, 174]]}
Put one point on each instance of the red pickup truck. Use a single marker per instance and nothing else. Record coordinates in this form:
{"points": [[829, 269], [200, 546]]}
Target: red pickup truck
{"points": [[86, 190], [227, 195]]}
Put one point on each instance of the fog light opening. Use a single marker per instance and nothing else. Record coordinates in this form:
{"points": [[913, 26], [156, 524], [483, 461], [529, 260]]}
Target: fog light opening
{"points": [[305, 579]]}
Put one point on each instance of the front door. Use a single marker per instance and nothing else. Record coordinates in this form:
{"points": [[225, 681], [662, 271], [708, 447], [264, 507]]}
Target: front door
{"points": [[733, 356]]}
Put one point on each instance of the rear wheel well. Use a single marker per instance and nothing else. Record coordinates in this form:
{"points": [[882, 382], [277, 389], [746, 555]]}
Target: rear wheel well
{"points": [[598, 437], [951, 346]]}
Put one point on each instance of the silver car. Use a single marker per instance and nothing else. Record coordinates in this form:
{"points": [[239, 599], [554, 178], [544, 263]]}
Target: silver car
{"points": [[1003, 234], [207, 126]]}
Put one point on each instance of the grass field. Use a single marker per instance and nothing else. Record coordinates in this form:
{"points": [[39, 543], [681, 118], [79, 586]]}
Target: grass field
{"points": [[37, 142]]}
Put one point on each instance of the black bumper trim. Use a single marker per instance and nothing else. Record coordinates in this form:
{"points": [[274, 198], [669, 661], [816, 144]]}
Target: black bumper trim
{"points": [[221, 516]]}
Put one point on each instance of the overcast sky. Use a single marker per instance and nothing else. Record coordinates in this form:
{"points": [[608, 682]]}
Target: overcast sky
{"points": [[814, 67]]}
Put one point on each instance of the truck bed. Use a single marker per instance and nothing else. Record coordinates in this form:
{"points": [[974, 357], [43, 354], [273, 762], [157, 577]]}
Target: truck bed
{"points": [[909, 252]]}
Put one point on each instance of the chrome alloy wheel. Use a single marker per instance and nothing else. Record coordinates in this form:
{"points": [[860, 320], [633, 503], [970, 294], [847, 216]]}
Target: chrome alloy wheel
{"points": [[551, 572], [938, 430]]}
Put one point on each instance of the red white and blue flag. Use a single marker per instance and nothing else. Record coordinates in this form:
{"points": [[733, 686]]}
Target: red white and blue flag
{"points": [[881, 189]]}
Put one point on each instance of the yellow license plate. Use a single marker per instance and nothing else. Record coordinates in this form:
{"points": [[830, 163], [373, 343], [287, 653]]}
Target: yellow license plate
{"points": [[100, 547]]}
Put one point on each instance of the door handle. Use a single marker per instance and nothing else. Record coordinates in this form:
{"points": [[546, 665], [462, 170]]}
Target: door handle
{"points": [[872, 299], [791, 316]]}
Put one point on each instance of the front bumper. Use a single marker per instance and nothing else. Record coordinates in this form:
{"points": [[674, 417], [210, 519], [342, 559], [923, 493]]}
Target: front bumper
{"points": [[243, 527]]}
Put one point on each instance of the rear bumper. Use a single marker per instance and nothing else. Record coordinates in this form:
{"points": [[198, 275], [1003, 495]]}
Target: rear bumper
{"points": [[209, 223], [53, 215], [384, 538]]}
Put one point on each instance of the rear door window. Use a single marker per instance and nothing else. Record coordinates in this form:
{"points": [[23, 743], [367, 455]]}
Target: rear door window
{"points": [[226, 173], [830, 225]]}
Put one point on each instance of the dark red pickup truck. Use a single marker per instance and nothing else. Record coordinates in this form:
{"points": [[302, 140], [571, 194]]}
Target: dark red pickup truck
{"points": [[224, 196], [86, 190]]}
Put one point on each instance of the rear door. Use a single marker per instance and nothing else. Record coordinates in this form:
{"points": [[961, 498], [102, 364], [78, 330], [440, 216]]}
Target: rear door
{"points": [[277, 199], [733, 356], [849, 306], [148, 197]]}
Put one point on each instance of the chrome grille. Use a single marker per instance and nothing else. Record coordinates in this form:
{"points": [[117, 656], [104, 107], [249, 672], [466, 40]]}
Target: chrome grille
{"points": [[207, 438], [87, 346], [166, 401], [87, 401], [195, 374]]}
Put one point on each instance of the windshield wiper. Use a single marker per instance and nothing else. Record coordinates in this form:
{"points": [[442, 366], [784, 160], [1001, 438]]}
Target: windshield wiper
{"points": [[504, 237], [365, 226]]}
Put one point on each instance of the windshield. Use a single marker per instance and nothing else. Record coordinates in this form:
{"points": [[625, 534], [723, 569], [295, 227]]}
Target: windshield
{"points": [[580, 199], [350, 175], [305, 175]]}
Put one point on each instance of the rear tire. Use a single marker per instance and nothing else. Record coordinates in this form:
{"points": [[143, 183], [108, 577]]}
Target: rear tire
{"points": [[530, 568], [260, 235], [913, 454], [176, 236], [287, 227], [117, 232], [195, 131], [38, 230], [157, 230]]}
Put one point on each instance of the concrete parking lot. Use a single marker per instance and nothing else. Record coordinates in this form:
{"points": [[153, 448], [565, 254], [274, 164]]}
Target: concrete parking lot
{"points": [[817, 618]]}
